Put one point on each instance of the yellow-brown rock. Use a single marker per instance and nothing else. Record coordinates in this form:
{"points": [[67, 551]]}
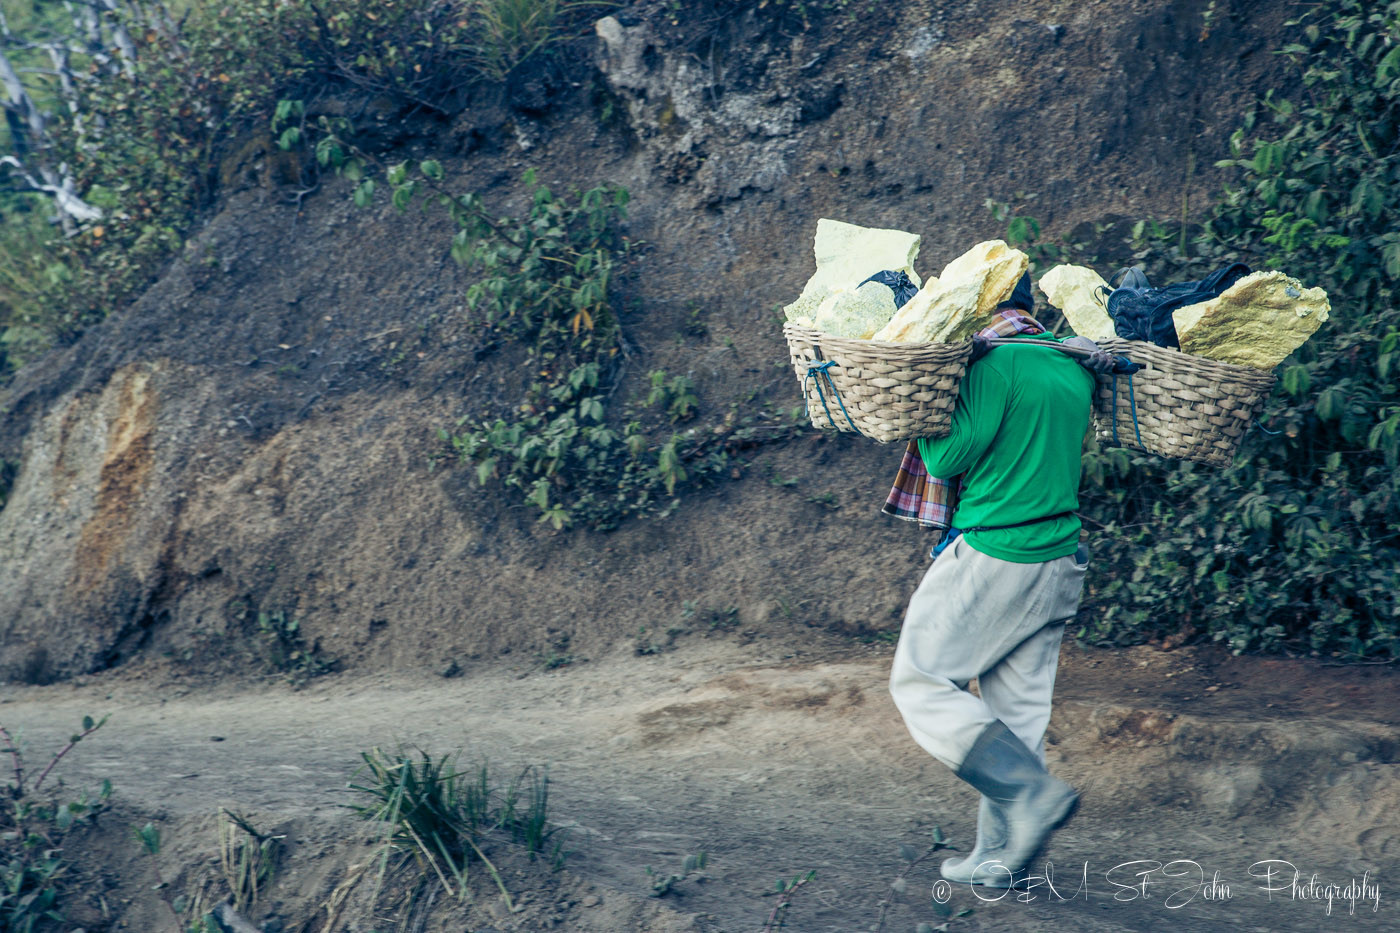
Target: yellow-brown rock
{"points": [[847, 255], [961, 301], [855, 313], [1075, 290], [1256, 322]]}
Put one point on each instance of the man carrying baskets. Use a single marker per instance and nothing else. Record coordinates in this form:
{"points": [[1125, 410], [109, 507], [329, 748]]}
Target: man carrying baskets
{"points": [[994, 604]]}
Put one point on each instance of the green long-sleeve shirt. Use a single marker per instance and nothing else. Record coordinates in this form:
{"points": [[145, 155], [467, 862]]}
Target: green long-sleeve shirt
{"points": [[1018, 430]]}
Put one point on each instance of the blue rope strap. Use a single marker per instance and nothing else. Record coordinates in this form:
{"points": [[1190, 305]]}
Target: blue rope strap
{"points": [[1132, 404], [819, 372]]}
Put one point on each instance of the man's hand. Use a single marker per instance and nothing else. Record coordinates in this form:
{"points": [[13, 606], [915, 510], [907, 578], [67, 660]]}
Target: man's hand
{"points": [[1099, 360], [981, 346]]}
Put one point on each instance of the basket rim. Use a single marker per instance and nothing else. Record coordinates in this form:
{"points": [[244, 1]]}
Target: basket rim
{"points": [[1247, 376], [812, 335]]}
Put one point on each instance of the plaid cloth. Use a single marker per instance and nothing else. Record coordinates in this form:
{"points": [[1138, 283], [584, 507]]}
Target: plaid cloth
{"points": [[918, 497]]}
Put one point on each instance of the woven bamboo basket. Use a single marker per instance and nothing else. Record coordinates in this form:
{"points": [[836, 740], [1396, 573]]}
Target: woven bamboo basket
{"points": [[885, 391], [1179, 406]]}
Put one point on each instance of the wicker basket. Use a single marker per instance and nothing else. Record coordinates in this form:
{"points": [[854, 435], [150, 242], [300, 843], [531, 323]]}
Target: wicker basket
{"points": [[1179, 406], [885, 391]]}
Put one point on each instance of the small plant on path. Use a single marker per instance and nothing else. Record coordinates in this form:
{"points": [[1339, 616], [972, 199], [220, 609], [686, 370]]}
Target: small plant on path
{"points": [[247, 857], [31, 834], [149, 837], [660, 886], [900, 883], [787, 889], [439, 815]]}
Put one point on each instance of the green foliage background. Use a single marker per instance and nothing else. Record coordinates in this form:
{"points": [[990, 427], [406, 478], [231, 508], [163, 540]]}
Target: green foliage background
{"points": [[1297, 546]]}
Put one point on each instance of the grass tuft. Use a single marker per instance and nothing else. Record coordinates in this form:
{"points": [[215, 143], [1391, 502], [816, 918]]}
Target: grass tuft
{"points": [[441, 815]]}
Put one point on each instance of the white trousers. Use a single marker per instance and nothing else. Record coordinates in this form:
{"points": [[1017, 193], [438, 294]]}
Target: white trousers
{"points": [[976, 616]]}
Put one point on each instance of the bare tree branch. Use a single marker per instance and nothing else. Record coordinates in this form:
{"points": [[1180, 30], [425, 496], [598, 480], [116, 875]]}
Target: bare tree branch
{"points": [[64, 72], [74, 48], [88, 26], [20, 101], [164, 19], [122, 37], [31, 159], [60, 186]]}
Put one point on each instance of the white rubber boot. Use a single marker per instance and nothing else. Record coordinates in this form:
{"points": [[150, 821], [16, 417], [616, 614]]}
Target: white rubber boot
{"points": [[1003, 769], [991, 839]]}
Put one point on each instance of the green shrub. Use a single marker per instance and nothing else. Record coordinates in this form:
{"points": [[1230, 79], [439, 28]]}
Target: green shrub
{"points": [[284, 649], [142, 147], [1296, 546], [33, 827], [145, 146], [544, 284]]}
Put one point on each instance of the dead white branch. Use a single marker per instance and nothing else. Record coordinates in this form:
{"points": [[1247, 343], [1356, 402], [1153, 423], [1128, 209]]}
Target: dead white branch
{"points": [[58, 185]]}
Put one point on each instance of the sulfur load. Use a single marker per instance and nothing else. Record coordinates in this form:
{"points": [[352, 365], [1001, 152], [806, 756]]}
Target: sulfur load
{"points": [[1256, 322], [846, 256], [962, 300], [857, 313], [1079, 293]]}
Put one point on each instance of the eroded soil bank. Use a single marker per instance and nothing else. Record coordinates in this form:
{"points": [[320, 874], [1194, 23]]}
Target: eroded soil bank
{"points": [[256, 434]]}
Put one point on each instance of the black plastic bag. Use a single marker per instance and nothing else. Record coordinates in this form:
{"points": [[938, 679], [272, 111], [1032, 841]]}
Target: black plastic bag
{"points": [[898, 282], [1145, 313]]}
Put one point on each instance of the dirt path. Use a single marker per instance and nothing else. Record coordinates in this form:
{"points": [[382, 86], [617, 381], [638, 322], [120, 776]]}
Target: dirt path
{"points": [[775, 766]]}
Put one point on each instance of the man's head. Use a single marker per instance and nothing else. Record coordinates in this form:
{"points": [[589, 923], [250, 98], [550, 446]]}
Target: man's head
{"points": [[1021, 298]]}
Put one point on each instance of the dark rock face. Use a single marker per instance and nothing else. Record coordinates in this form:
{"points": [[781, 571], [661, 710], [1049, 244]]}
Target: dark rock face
{"points": [[254, 434]]}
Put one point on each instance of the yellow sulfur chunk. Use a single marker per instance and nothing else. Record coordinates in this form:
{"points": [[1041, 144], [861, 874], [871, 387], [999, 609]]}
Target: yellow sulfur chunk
{"points": [[1256, 322], [847, 255], [961, 301], [1075, 290], [857, 313]]}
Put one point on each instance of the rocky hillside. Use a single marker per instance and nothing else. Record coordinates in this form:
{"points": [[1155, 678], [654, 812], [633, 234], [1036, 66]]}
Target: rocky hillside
{"points": [[245, 456]]}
